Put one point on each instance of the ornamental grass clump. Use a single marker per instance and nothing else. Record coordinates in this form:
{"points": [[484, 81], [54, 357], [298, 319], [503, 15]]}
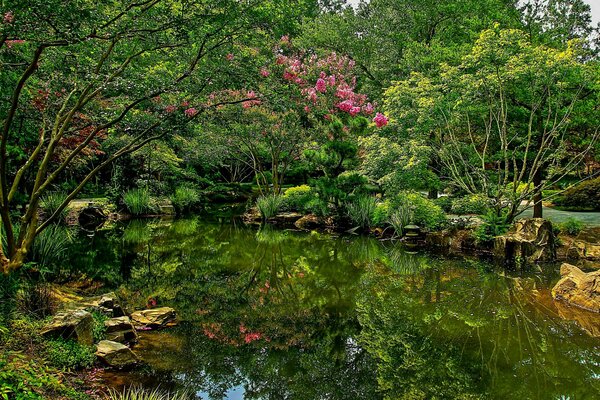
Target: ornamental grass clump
{"points": [[185, 198], [51, 202], [138, 201], [269, 205], [135, 393], [361, 211]]}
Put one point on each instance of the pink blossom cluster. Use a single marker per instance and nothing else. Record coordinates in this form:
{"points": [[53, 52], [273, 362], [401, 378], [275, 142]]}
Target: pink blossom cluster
{"points": [[380, 120], [250, 103], [190, 112], [328, 83]]}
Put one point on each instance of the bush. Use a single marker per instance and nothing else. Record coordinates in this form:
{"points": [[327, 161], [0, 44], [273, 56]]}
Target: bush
{"points": [[68, 354], [571, 226], [445, 202], [361, 210], [424, 212], [185, 198], [381, 214], [138, 201], [145, 394], [298, 197], [269, 205], [584, 196], [471, 204], [51, 201], [493, 225]]}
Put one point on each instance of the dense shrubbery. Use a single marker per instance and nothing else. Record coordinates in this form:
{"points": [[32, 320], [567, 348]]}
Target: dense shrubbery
{"points": [[422, 211], [585, 196], [571, 227], [471, 204], [297, 198]]}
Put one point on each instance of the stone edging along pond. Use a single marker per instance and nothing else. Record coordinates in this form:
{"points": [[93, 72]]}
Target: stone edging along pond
{"points": [[74, 321]]}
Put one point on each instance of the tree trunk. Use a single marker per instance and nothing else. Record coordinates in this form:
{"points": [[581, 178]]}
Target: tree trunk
{"points": [[537, 197]]}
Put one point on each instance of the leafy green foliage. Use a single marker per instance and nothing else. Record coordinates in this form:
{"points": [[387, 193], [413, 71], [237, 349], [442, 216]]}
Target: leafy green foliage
{"points": [[69, 354], [471, 204], [49, 249], [24, 379], [572, 226], [138, 201], [296, 198], [493, 225], [584, 196], [98, 328], [424, 212]]}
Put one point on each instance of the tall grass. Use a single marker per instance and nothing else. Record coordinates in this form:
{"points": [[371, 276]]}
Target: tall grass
{"points": [[134, 393], [269, 205], [138, 201], [361, 211], [50, 246], [401, 217], [185, 198], [51, 201]]}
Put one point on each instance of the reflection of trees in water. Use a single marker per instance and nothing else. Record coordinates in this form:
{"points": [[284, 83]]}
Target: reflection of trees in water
{"points": [[435, 327], [456, 331]]}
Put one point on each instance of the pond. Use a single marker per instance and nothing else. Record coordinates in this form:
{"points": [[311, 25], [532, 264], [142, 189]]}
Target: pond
{"points": [[278, 314]]}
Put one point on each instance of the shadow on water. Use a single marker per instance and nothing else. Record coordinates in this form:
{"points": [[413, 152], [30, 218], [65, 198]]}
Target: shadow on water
{"points": [[274, 314]]}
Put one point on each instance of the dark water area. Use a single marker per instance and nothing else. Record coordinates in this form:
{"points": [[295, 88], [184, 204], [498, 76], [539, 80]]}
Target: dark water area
{"points": [[268, 313]]}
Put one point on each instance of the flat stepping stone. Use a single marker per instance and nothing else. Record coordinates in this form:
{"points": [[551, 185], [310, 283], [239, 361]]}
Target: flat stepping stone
{"points": [[153, 318], [116, 355]]}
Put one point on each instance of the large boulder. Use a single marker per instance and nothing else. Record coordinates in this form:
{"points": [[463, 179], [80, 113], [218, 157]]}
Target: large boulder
{"points": [[529, 240], [115, 354], [120, 329], [153, 318], [71, 324], [578, 288]]}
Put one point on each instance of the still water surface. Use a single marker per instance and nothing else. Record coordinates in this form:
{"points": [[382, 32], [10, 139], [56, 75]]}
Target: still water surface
{"points": [[277, 314]]}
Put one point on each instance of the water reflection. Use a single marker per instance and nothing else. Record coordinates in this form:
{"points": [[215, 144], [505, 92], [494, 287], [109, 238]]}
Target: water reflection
{"points": [[273, 314]]}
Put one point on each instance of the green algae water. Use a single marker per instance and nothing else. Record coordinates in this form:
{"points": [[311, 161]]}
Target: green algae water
{"points": [[269, 313]]}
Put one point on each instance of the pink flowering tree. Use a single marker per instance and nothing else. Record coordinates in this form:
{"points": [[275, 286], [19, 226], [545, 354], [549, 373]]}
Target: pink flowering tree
{"points": [[337, 114], [306, 107]]}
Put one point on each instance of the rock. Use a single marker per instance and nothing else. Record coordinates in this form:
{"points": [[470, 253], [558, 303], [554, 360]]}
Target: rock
{"points": [[578, 288], [588, 321], [529, 240], [107, 304], [120, 329], [72, 324], [153, 318], [308, 223], [582, 250], [91, 218], [115, 354]]}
